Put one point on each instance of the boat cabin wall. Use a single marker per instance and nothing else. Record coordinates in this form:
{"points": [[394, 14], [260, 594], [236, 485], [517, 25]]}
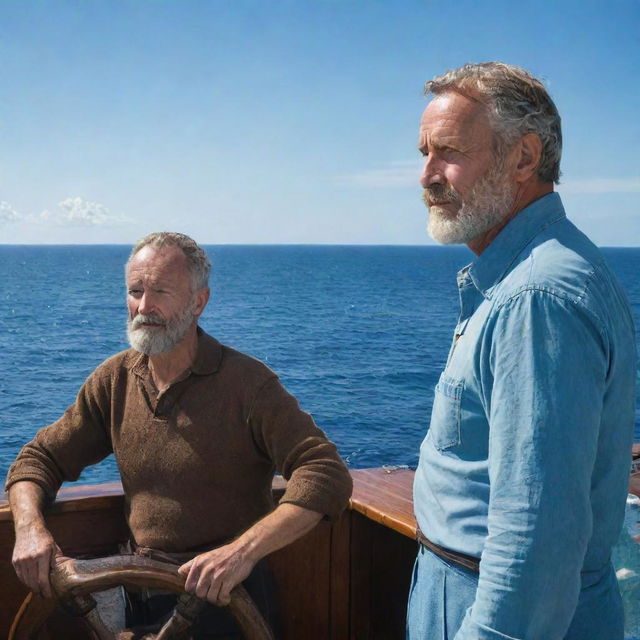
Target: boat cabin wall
{"points": [[344, 580]]}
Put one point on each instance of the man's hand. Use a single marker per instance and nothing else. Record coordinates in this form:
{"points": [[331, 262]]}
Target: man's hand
{"points": [[212, 575], [35, 550], [33, 556]]}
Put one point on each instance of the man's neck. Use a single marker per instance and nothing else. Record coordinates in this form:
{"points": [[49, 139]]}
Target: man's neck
{"points": [[167, 367], [525, 195]]}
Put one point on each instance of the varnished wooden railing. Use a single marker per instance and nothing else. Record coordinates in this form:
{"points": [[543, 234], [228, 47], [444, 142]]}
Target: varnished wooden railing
{"points": [[383, 495]]}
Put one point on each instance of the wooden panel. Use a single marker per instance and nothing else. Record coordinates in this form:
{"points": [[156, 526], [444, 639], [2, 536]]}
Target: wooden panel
{"points": [[302, 575], [392, 566], [340, 577], [381, 560], [382, 563], [12, 593], [360, 598]]}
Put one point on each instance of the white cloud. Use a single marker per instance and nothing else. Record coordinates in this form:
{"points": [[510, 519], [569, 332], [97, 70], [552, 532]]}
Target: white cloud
{"points": [[72, 212], [8, 213], [76, 211], [397, 174], [600, 185]]}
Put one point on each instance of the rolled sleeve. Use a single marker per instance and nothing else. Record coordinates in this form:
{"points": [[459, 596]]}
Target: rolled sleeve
{"points": [[548, 368], [317, 477]]}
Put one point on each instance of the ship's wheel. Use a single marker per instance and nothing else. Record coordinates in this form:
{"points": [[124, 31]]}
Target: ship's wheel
{"points": [[73, 581]]}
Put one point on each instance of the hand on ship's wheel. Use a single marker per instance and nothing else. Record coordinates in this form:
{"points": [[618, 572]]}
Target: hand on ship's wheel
{"points": [[74, 580]]}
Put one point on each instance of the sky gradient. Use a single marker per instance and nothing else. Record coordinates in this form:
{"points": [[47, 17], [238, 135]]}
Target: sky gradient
{"points": [[290, 121]]}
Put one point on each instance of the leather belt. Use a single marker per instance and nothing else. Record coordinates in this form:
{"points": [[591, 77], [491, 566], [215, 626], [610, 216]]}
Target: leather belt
{"points": [[461, 559], [131, 548]]}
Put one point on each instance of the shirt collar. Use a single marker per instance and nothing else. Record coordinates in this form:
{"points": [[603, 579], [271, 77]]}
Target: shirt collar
{"points": [[496, 260], [207, 360]]}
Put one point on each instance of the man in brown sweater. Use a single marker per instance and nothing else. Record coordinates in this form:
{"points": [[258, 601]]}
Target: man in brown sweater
{"points": [[198, 430]]}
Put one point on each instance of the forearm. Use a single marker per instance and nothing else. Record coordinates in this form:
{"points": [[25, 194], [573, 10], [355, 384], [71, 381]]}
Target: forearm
{"points": [[212, 575], [278, 529], [35, 548], [27, 500]]}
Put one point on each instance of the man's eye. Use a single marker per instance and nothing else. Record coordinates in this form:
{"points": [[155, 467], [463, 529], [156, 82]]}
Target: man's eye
{"points": [[134, 292]]}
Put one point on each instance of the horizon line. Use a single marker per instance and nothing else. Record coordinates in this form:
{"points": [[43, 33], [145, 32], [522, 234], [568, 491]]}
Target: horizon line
{"points": [[273, 244]]}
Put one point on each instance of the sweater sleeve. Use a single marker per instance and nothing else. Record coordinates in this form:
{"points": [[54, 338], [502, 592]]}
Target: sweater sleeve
{"points": [[60, 451], [317, 477]]}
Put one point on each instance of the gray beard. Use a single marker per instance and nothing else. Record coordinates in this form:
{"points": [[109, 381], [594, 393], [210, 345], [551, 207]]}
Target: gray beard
{"points": [[154, 340], [488, 203]]}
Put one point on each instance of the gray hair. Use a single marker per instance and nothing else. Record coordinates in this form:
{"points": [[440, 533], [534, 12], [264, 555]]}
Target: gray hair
{"points": [[517, 103], [198, 263]]}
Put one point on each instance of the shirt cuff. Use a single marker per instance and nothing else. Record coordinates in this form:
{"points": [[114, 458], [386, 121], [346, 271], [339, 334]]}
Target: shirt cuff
{"points": [[470, 630]]}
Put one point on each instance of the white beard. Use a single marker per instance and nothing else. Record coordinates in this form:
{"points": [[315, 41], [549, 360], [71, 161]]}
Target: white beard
{"points": [[486, 206], [160, 339]]}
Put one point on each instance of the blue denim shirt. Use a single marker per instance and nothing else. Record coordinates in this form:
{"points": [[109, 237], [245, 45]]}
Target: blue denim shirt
{"points": [[526, 460]]}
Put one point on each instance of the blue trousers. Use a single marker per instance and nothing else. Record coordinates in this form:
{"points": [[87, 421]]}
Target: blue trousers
{"points": [[441, 594], [439, 598]]}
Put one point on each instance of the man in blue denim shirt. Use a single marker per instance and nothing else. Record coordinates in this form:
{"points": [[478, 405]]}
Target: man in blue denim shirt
{"points": [[525, 464]]}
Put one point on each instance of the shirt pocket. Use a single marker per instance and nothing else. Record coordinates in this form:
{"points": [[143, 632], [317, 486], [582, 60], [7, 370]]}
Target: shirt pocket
{"points": [[444, 429]]}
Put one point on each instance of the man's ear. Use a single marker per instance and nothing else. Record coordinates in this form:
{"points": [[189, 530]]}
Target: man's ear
{"points": [[202, 297], [528, 153]]}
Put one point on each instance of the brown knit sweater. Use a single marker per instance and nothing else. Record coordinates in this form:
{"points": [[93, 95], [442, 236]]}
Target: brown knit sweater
{"points": [[196, 461]]}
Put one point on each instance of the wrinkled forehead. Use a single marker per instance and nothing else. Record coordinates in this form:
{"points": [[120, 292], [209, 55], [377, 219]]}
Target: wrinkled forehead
{"points": [[456, 113], [164, 263]]}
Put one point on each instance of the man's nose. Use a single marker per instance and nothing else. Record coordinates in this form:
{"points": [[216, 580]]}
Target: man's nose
{"points": [[431, 173], [145, 303]]}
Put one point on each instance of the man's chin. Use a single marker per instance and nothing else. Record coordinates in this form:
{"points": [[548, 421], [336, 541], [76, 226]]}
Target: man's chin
{"points": [[149, 345], [454, 231], [444, 238], [444, 227]]}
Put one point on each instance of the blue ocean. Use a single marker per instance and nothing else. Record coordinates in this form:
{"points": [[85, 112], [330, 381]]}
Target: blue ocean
{"points": [[359, 334]]}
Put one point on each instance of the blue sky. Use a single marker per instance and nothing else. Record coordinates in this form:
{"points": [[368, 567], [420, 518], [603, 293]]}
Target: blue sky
{"points": [[287, 121]]}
